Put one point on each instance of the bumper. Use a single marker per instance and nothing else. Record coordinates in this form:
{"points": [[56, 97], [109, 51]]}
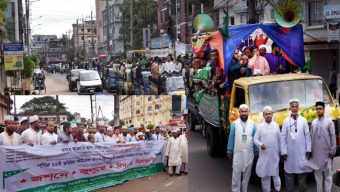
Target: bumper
{"points": [[91, 90]]}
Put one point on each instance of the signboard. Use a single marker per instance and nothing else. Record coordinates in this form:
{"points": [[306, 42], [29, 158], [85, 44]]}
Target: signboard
{"points": [[209, 109], [333, 32], [13, 56], [81, 166], [160, 42], [176, 121], [159, 53], [182, 48], [332, 11]]}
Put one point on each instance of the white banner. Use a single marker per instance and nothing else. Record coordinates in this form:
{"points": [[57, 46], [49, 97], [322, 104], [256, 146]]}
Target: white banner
{"points": [[332, 11], [78, 166]]}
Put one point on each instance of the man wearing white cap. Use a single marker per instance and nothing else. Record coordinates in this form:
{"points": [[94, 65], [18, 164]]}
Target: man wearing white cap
{"points": [[24, 124], [99, 136], [148, 135], [241, 149], [267, 138], [295, 147], [32, 135], [157, 136], [9, 136], [49, 137], [263, 50], [174, 153], [140, 136], [108, 135], [124, 136], [184, 148]]}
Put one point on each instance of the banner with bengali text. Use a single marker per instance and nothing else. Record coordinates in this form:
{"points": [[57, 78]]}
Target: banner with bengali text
{"points": [[78, 166]]}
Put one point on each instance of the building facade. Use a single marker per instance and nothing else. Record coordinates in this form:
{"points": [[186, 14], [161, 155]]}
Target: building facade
{"points": [[137, 110], [84, 39], [5, 106], [41, 45], [100, 7]]}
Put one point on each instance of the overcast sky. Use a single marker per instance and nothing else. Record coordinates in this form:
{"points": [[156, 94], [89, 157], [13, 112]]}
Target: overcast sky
{"points": [[59, 15], [75, 103]]}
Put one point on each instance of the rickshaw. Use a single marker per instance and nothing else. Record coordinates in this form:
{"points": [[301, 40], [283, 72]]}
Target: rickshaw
{"points": [[39, 83]]}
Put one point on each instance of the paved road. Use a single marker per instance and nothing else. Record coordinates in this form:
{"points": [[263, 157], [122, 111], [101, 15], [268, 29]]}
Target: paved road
{"points": [[57, 84], [214, 174], [155, 183]]}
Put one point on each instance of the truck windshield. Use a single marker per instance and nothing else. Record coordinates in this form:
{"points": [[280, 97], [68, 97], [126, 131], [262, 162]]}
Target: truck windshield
{"points": [[89, 76], [278, 94]]}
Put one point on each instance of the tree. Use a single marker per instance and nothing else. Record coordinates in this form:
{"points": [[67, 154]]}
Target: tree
{"points": [[112, 122], [121, 122], [3, 7], [150, 126], [30, 62], [43, 105], [83, 120]]}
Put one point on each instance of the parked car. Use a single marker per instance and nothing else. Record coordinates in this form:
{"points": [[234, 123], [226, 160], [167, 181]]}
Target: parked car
{"points": [[89, 82], [73, 78]]}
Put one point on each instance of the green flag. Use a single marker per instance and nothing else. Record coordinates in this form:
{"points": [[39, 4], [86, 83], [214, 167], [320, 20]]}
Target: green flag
{"points": [[198, 95], [203, 74], [308, 65]]}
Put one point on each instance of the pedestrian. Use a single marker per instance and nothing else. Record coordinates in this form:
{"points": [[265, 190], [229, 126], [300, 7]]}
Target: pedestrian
{"points": [[157, 136], [258, 64], [267, 138], [65, 136], [49, 137], [241, 149], [295, 147], [78, 135], [323, 148], [32, 135], [174, 153], [184, 149], [99, 136], [124, 136], [148, 136], [91, 138], [140, 136], [108, 135], [9, 136], [24, 124]]}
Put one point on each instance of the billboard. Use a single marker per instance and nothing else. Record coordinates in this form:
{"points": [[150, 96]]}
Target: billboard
{"points": [[13, 56]]}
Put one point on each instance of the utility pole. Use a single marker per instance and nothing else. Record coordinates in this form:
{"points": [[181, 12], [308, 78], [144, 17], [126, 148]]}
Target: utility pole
{"points": [[131, 23], [28, 26], [116, 110], [84, 50], [92, 41], [108, 27], [77, 44]]}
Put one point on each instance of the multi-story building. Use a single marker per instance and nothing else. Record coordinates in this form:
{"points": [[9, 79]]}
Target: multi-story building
{"points": [[154, 110], [84, 39], [5, 106], [100, 7], [41, 44], [112, 22]]}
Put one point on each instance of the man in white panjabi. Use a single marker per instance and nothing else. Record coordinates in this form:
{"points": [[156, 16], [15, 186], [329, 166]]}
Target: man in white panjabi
{"points": [[108, 135], [295, 147], [241, 149], [323, 148], [157, 136], [184, 148], [32, 135], [267, 138], [9, 136], [49, 137], [174, 153], [99, 136]]}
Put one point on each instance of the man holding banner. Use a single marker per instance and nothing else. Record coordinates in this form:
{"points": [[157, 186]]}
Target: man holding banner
{"points": [[49, 137], [32, 136], [9, 136]]}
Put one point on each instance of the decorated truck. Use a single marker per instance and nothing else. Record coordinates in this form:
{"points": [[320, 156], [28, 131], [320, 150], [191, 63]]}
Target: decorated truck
{"points": [[216, 111]]}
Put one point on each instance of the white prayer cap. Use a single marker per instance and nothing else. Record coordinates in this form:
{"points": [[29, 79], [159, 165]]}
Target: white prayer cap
{"points": [[293, 101], [101, 123], [140, 134], [34, 118], [23, 119], [109, 128], [147, 130], [125, 127], [174, 131], [73, 125], [262, 46], [267, 108], [244, 106], [8, 118], [244, 48]]}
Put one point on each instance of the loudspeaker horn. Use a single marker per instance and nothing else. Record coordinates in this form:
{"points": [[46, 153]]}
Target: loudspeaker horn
{"points": [[288, 13]]}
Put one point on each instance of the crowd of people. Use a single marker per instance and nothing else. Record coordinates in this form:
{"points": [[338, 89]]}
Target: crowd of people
{"points": [[30, 131], [302, 149]]}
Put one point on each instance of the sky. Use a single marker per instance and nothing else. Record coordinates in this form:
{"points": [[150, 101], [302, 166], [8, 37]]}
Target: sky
{"points": [[57, 16], [76, 103]]}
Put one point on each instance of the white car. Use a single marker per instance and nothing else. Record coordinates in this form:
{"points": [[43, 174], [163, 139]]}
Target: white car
{"points": [[89, 82]]}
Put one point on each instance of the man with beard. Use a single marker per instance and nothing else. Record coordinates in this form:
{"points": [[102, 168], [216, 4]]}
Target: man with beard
{"points": [[99, 136], [241, 149], [49, 137], [124, 136], [9, 136], [234, 69], [65, 136], [108, 135], [157, 136], [148, 136], [174, 153], [32, 135], [276, 61], [78, 135], [258, 64]]}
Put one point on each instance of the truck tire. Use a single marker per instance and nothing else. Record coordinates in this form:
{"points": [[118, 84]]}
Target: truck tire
{"points": [[192, 123], [213, 141]]}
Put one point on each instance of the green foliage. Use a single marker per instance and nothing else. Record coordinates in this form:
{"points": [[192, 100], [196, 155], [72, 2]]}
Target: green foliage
{"points": [[121, 123], [43, 105], [150, 126], [3, 7], [30, 62], [83, 120]]}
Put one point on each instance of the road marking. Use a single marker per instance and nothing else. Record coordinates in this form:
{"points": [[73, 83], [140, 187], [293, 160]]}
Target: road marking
{"points": [[167, 185]]}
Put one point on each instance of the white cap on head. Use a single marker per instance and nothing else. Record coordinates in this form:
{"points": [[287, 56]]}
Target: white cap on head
{"points": [[101, 123], [262, 46], [8, 118], [293, 100], [174, 131], [267, 108], [244, 106], [109, 129], [140, 134], [73, 125], [147, 130], [34, 118], [23, 119], [125, 127]]}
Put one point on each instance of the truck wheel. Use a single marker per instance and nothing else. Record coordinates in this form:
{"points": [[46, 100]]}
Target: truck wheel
{"points": [[191, 120], [213, 141]]}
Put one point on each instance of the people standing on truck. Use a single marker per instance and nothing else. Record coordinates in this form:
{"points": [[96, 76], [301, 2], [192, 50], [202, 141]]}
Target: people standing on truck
{"points": [[295, 147], [276, 61], [258, 64], [267, 138], [241, 149], [247, 52], [323, 148], [169, 65], [178, 65], [174, 153], [262, 50], [213, 62], [234, 69], [244, 71]]}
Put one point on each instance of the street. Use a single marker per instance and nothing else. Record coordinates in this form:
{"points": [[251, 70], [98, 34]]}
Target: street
{"points": [[214, 174], [57, 84], [155, 183]]}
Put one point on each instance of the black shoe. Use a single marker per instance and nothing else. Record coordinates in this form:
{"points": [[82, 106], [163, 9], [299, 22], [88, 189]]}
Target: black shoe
{"points": [[178, 174]]}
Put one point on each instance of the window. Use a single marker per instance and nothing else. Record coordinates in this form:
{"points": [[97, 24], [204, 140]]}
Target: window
{"points": [[243, 18], [81, 30], [232, 20], [157, 106], [137, 112], [149, 98], [88, 30], [82, 38], [157, 96], [189, 8], [162, 17], [272, 14], [239, 97], [315, 12], [150, 108]]}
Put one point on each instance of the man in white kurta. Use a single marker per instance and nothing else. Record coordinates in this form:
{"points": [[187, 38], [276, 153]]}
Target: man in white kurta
{"points": [[32, 135], [49, 137], [184, 148], [9, 136], [323, 148], [295, 147], [267, 138], [99, 136], [241, 149], [174, 153], [157, 136]]}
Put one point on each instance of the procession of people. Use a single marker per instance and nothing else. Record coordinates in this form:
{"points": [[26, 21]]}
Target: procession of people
{"points": [[303, 149], [46, 133]]}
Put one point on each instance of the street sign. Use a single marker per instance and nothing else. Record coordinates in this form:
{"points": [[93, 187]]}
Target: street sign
{"points": [[13, 56], [333, 31], [176, 121], [332, 11]]}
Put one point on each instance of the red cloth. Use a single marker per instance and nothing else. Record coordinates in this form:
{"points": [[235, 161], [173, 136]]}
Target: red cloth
{"points": [[259, 40]]}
